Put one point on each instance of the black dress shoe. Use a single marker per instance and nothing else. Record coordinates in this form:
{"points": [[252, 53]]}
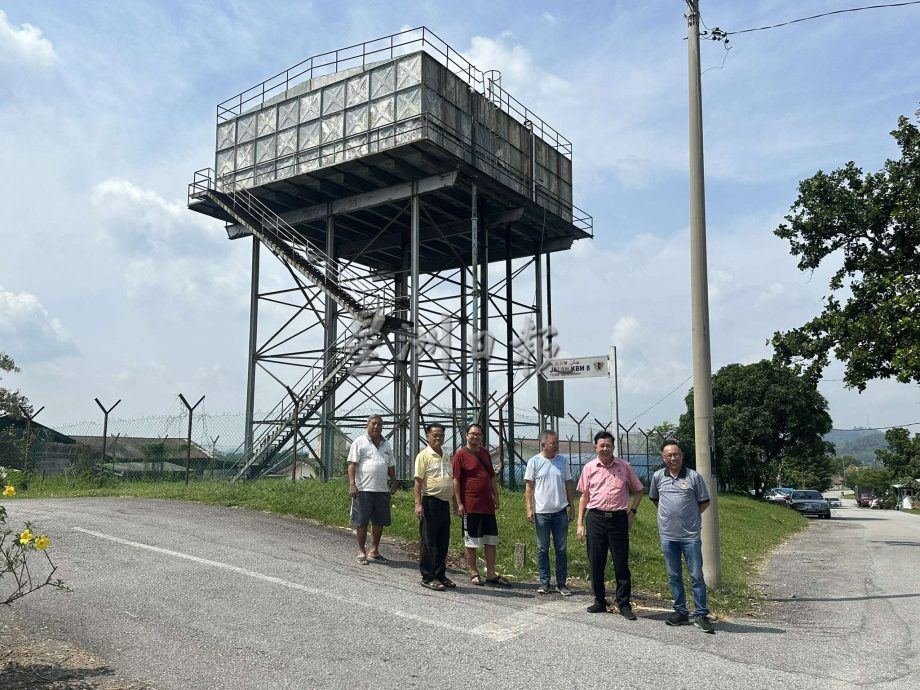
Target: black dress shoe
{"points": [[597, 607], [627, 612]]}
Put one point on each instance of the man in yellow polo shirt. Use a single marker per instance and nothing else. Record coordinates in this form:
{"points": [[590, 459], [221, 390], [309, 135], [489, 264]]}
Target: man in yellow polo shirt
{"points": [[434, 494]]}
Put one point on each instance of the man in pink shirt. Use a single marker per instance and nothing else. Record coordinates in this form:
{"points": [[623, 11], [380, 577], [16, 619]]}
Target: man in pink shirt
{"points": [[605, 485]]}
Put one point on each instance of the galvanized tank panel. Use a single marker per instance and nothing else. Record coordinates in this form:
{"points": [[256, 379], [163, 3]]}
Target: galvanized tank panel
{"points": [[334, 118]]}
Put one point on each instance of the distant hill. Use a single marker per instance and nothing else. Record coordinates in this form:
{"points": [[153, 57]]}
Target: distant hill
{"points": [[859, 443]]}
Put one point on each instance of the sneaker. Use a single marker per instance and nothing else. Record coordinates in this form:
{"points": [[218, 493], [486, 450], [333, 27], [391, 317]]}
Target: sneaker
{"points": [[564, 591], [597, 607], [704, 624], [678, 618], [627, 612], [544, 588]]}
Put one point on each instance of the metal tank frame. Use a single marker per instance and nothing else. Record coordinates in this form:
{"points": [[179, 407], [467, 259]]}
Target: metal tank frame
{"points": [[396, 245]]}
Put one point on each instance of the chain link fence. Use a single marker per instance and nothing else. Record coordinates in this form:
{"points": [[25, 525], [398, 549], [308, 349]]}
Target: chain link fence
{"points": [[157, 449]]}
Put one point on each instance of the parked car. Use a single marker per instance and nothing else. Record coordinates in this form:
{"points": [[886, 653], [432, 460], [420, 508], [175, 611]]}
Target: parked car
{"points": [[778, 495], [810, 502], [863, 500], [876, 503], [833, 502]]}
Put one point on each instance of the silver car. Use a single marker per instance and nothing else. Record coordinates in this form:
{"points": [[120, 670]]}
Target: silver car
{"points": [[810, 502]]}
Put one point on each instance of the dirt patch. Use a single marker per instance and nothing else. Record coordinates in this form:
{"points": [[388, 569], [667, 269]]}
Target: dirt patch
{"points": [[30, 662]]}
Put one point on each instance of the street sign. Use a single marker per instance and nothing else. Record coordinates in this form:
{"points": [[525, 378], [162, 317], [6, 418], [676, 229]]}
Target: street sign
{"points": [[574, 368]]}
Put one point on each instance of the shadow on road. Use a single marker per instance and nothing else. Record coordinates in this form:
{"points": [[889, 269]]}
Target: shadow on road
{"points": [[855, 517], [865, 598], [741, 628], [722, 626], [17, 676]]}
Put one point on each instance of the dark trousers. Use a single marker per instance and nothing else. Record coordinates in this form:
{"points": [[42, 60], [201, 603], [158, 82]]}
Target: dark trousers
{"points": [[434, 533], [611, 534]]}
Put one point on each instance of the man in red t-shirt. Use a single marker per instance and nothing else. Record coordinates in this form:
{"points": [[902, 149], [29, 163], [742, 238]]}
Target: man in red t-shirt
{"points": [[476, 491]]}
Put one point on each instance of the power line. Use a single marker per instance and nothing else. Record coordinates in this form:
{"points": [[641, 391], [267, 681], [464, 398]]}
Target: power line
{"points": [[717, 34], [676, 388], [880, 428]]}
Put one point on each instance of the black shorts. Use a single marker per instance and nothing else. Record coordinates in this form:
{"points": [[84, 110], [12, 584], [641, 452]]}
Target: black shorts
{"points": [[479, 529], [371, 507]]}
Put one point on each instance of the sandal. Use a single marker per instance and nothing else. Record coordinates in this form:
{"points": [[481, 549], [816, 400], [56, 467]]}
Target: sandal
{"points": [[448, 583], [477, 580], [433, 584], [378, 559], [361, 559], [498, 581]]}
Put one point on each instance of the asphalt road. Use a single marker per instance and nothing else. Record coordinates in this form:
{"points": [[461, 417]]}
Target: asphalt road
{"points": [[189, 596]]}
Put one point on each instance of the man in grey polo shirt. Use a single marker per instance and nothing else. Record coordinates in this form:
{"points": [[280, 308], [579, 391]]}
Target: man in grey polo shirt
{"points": [[680, 495]]}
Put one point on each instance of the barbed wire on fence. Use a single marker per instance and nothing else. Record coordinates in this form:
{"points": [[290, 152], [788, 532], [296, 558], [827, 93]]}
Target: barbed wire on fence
{"points": [[154, 447]]}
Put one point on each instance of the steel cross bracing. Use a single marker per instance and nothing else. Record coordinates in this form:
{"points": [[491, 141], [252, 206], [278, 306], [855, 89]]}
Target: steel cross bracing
{"points": [[354, 292], [331, 392]]}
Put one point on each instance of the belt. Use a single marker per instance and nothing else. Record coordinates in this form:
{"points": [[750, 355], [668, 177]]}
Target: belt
{"points": [[605, 513]]}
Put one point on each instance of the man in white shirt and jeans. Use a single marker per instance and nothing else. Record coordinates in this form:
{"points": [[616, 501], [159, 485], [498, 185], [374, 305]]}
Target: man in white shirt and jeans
{"points": [[550, 501], [370, 466]]}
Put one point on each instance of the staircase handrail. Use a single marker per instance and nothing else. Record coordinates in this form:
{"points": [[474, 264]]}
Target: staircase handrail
{"points": [[344, 348], [371, 294]]}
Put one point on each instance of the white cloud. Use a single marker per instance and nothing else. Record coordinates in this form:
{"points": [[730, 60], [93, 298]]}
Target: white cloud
{"points": [[626, 330], [28, 332], [24, 46], [518, 70], [164, 246]]}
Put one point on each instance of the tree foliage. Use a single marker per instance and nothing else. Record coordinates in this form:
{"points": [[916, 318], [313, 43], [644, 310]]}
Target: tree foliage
{"points": [[769, 421], [871, 480], [871, 223], [12, 402], [902, 457]]}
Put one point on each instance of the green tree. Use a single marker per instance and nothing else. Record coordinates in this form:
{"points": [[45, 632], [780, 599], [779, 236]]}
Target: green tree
{"points": [[902, 457], [769, 421], [871, 223], [12, 402], [658, 433], [13, 405], [871, 480]]}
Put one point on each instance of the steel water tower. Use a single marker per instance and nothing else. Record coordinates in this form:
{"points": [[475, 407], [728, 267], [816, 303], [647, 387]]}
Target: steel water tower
{"points": [[414, 205]]}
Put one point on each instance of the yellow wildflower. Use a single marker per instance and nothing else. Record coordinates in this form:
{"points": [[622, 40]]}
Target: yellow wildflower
{"points": [[25, 537], [9, 490], [42, 543]]}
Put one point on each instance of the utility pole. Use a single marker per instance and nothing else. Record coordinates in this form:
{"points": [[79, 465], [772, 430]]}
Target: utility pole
{"points": [[704, 434], [614, 399]]}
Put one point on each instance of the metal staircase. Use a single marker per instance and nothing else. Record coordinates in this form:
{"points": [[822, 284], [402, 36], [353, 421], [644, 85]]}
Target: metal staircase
{"points": [[311, 396], [352, 290]]}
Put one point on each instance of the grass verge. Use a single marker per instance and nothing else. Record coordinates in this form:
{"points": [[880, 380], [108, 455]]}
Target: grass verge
{"points": [[749, 529]]}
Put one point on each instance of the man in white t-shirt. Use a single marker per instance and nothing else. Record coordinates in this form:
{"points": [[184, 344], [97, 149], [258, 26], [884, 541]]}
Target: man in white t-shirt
{"points": [[550, 502], [371, 467]]}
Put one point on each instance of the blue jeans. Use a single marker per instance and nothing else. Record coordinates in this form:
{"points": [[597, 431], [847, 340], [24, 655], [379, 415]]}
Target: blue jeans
{"points": [[556, 524], [693, 553]]}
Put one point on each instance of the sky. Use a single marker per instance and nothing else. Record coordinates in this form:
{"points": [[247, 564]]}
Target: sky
{"points": [[111, 288]]}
